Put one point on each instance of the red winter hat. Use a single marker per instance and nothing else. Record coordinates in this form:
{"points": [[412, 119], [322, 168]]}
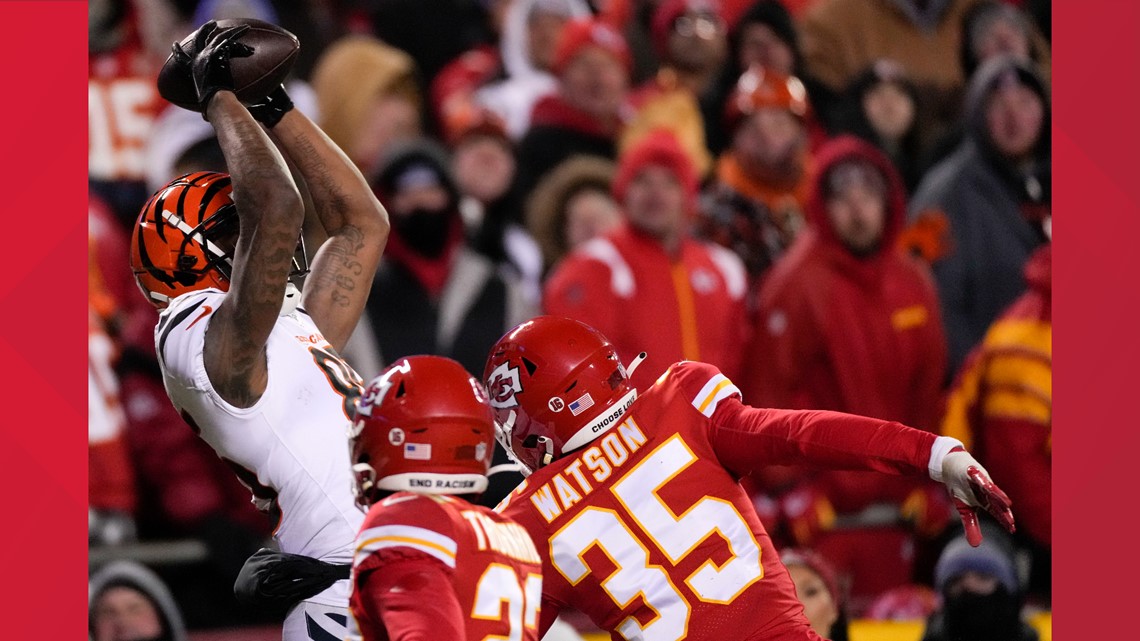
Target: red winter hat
{"points": [[465, 118], [816, 563], [584, 32], [667, 13], [658, 147]]}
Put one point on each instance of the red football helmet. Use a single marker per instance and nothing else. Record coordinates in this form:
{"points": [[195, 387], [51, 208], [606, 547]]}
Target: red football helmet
{"points": [[423, 425], [555, 385]]}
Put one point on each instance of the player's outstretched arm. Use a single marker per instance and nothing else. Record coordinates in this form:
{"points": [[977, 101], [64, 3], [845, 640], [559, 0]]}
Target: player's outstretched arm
{"points": [[746, 438], [356, 223], [270, 212]]}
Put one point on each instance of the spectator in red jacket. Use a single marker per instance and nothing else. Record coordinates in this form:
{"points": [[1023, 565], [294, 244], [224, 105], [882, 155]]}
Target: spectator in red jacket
{"points": [[648, 285], [846, 322], [1002, 403]]}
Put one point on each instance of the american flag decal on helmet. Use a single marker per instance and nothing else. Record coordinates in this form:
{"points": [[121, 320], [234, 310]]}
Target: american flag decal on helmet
{"points": [[582, 404]]}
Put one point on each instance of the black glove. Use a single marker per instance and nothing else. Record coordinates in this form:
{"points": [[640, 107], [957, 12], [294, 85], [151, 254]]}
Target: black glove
{"points": [[275, 581], [181, 65], [273, 108], [211, 66]]}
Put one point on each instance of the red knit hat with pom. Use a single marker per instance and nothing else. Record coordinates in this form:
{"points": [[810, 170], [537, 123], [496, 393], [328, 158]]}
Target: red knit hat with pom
{"points": [[660, 148]]}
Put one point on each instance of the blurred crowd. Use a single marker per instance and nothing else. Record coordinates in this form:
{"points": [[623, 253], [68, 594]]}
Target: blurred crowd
{"points": [[842, 204]]}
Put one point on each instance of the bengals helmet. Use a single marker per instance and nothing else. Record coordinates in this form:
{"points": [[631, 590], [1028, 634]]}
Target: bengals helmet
{"points": [[555, 385], [184, 239], [175, 247], [423, 425]]}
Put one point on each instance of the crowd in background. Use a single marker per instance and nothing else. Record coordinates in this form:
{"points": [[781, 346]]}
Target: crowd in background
{"points": [[842, 204]]}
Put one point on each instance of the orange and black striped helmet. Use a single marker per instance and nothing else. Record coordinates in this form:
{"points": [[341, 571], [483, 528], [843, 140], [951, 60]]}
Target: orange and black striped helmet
{"points": [[184, 237]]}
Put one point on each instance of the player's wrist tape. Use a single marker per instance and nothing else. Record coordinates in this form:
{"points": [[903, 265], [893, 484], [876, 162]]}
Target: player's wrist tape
{"points": [[938, 451]]}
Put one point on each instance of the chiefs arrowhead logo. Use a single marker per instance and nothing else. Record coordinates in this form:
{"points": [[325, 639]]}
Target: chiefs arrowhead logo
{"points": [[502, 385]]}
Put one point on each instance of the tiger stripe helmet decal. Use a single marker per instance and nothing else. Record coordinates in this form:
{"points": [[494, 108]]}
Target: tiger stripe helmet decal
{"points": [[175, 246]]}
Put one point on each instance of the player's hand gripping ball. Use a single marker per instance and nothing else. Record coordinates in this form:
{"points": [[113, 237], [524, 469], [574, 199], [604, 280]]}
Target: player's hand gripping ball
{"points": [[254, 76]]}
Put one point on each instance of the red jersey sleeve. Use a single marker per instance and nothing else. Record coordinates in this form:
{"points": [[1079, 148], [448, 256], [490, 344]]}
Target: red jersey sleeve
{"points": [[745, 438]]}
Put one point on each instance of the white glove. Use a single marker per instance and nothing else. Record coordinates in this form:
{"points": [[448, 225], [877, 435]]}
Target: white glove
{"points": [[970, 487]]}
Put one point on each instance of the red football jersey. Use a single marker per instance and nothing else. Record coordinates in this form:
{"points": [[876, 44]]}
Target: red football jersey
{"points": [[494, 570], [647, 530]]}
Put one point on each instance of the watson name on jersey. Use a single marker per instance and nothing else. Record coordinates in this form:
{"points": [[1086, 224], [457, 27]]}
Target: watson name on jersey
{"points": [[648, 530]]}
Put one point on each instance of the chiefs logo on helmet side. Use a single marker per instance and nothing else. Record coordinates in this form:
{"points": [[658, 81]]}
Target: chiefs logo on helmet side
{"points": [[502, 385]]}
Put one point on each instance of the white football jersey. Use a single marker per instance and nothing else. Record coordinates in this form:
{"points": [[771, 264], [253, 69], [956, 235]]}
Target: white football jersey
{"points": [[291, 447]]}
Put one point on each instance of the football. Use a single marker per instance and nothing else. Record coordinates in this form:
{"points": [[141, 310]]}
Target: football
{"points": [[274, 51]]}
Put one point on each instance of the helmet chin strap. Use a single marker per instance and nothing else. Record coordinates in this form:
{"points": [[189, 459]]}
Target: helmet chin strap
{"points": [[547, 444], [633, 365]]}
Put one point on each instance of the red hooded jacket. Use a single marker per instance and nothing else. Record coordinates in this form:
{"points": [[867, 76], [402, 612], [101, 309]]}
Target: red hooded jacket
{"points": [[835, 331]]}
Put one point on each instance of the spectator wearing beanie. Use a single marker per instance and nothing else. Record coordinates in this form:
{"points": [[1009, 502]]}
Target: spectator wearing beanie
{"points": [[979, 214], [126, 600], [765, 35], [980, 590], [647, 285], [847, 323], [586, 114], [818, 590], [769, 160], [691, 42]]}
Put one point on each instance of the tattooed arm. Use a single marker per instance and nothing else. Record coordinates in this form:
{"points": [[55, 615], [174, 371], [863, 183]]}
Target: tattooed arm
{"points": [[270, 212], [356, 223]]}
